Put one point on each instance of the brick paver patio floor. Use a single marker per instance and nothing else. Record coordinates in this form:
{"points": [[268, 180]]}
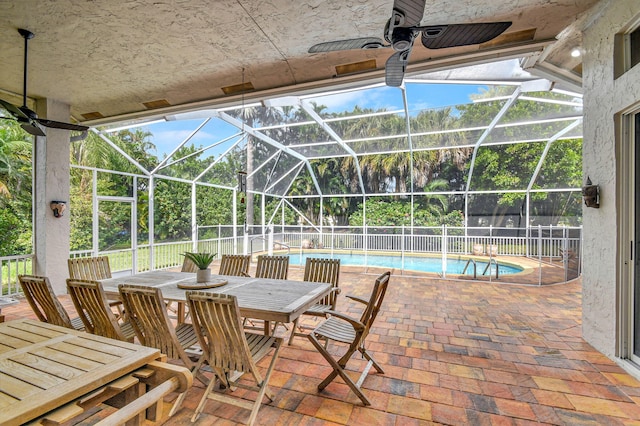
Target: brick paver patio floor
{"points": [[459, 353]]}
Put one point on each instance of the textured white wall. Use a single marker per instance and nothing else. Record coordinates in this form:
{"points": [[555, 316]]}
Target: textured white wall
{"points": [[604, 97], [52, 183]]}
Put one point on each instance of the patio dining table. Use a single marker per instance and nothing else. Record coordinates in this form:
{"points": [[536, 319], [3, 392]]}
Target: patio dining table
{"points": [[51, 374], [258, 298]]}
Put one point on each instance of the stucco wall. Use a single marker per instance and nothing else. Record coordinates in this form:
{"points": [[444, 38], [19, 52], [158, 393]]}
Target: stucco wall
{"points": [[604, 97], [52, 183]]}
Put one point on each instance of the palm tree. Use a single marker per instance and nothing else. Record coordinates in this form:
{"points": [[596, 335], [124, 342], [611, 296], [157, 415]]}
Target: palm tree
{"points": [[436, 204]]}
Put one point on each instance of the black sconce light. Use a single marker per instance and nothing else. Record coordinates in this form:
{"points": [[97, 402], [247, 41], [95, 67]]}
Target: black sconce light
{"points": [[58, 208], [591, 194]]}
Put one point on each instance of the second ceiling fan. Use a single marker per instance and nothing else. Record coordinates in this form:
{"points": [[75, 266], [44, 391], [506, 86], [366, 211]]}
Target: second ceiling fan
{"points": [[404, 27]]}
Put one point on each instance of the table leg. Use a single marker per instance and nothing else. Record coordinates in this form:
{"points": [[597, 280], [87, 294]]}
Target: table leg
{"points": [[267, 328], [181, 312]]}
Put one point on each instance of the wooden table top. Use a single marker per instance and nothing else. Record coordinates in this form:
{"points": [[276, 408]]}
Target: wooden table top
{"points": [[43, 366], [260, 298]]}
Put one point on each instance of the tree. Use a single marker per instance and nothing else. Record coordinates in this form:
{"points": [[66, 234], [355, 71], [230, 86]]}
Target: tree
{"points": [[511, 166], [15, 189]]}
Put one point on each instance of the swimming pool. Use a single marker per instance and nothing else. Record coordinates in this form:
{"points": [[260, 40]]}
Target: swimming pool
{"points": [[412, 263]]}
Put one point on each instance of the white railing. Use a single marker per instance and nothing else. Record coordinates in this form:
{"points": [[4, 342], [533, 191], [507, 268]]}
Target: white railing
{"points": [[552, 245], [12, 266]]}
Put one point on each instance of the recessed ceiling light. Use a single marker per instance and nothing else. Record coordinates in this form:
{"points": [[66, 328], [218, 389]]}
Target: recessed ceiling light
{"points": [[575, 53]]}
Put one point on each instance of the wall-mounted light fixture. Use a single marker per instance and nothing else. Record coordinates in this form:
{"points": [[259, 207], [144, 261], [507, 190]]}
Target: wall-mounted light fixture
{"points": [[591, 194], [58, 207]]}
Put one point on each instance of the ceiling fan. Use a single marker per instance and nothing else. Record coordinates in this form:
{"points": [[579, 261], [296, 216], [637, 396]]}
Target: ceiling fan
{"points": [[27, 118], [404, 27]]}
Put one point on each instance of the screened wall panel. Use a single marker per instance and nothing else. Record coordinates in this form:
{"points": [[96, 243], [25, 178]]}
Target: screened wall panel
{"points": [[523, 132], [376, 125], [445, 139], [379, 146], [501, 167], [556, 208], [501, 209], [563, 156]]}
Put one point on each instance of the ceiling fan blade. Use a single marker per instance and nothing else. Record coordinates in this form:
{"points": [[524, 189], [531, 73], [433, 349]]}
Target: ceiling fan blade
{"points": [[60, 125], [413, 11], [442, 36], [14, 110], [32, 128], [350, 44], [395, 68], [27, 124]]}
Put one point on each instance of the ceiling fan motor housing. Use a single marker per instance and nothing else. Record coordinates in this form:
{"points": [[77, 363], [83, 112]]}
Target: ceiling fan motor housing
{"points": [[402, 38]]}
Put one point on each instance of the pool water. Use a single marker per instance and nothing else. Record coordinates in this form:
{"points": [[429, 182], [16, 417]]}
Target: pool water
{"points": [[412, 263]]}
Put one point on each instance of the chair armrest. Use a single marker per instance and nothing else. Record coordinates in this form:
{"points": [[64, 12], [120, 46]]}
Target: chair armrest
{"points": [[357, 299], [357, 325]]}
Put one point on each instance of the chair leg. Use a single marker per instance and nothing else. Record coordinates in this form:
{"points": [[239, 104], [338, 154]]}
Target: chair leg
{"points": [[338, 369], [369, 358], [204, 398], [264, 389], [177, 404]]}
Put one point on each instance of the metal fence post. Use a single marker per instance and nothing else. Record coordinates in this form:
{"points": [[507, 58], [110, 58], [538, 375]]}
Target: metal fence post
{"points": [[539, 255], [270, 240], [444, 251], [402, 251]]}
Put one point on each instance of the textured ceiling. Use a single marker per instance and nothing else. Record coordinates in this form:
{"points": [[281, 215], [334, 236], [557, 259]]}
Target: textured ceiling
{"points": [[112, 57]]}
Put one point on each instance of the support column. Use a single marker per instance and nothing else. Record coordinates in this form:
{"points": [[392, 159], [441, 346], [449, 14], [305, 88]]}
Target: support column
{"points": [[51, 182]]}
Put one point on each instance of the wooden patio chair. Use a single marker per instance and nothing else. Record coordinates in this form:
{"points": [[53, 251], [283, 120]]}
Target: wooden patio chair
{"points": [[93, 268], [93, 308], [235, 264], [147, 312], [274, 267], [44, 303], [320, 271], [89, 268], [342, 328], [231, 352], [188, 265]]}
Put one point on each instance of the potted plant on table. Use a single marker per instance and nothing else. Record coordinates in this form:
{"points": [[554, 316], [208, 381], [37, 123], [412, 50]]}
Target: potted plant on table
{"points": [[202, 262]]}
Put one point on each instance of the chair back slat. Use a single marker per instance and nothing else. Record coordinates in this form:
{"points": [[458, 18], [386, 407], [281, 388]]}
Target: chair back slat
{"points": [[235, 264], [324, 271], [274, 267], [93, 308], [375, 303], [43, 301], [216, 317], [188, 265], [89, 268], [148, 315]]}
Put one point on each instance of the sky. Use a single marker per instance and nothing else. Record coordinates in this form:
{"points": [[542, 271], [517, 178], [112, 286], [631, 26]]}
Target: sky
{"points": [[167, 135]]}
